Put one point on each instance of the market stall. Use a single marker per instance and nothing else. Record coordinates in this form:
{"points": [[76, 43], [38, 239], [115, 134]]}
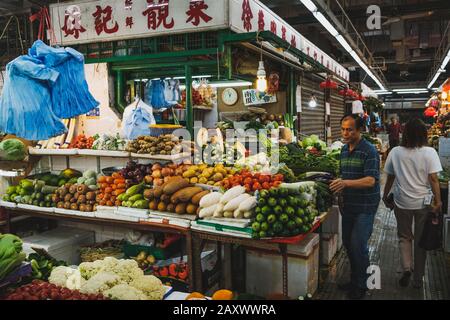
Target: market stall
{"points": [[151, 175]]}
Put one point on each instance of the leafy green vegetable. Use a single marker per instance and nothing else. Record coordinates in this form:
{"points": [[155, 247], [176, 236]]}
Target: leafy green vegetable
{"points": [[13, 150]]}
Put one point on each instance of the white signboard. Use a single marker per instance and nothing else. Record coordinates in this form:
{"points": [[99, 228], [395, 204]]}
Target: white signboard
{"points": [[107, 20], [253, 16], [253, 97], [298, 98]]}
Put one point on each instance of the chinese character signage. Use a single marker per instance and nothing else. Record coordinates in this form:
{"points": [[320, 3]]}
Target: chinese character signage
{"points": [[108, 20], [253, 97]]}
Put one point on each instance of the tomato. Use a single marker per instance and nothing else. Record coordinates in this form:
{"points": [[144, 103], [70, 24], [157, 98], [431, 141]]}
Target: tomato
{"points": [[257, 186], [277, 183], [257, 175], [266, 185], [248, 180], [238, 179], [264, 178], [278, 177], [248, 188]]}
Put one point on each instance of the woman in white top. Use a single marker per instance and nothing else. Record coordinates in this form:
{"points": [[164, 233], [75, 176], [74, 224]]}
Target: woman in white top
{"points": [[412, 169]]}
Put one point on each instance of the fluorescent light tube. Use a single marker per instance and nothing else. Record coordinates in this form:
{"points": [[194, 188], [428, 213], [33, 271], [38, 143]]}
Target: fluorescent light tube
{"points": [[344, 43], [309, 5], [324, 22]]}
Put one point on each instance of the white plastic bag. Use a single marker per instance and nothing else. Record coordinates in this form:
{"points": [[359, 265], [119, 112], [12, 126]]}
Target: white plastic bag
{"points": [[137, 118]]}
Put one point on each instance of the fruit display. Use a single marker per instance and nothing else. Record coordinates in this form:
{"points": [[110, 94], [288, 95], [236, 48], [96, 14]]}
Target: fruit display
{"points": [[162, 145], [40, 290], [253, 181], [135, 173], [234, 203], [161, 174], [82, 142], [285, 211], [30, 192], [179, 271], [89, 178], [110, 188], [11, 254], [43, 265], [75, 197], [177, 195], [204, 174]]}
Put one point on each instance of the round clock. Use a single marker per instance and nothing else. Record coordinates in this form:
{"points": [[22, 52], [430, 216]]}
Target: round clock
{"points": [[230, 96]]}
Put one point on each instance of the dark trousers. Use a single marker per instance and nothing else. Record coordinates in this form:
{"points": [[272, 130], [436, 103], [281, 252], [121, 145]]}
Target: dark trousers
{"points": [[356, 232], [393, 143]]}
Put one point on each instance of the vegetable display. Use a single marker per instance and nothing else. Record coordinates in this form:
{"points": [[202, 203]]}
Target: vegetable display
{"points": [[108, 142], [75, 197], [40, 290], [115, 279], [163, 145], [11, 255], [253, 182], [42, 266], [285, 211], [13, 150], [111, 187], [82, 142]]}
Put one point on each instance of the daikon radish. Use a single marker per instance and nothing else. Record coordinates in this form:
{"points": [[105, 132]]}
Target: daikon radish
{"points": [[232, 193], [248, 204], [235, 202], [237, 214], [219, 211], [210, 199], [208, 211]]}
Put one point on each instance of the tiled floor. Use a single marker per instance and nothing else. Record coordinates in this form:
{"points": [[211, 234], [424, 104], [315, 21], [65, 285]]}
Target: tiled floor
{"points": [[384, 252]]}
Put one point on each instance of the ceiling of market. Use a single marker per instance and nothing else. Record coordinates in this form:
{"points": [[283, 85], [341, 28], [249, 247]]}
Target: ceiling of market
{"points": [[404, 49]]}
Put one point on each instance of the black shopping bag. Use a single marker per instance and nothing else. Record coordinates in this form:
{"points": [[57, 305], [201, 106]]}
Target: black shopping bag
{"points": [[431, 238]]}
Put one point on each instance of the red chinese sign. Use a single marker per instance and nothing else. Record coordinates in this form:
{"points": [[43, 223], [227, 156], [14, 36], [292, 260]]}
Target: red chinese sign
{"points": [[157, 14], [283, 33], [293, 41], [247, 15], [261, 23], [72, 22], [102, 17], [196, 12], [129, 22], [128, 4], [273, 27]]}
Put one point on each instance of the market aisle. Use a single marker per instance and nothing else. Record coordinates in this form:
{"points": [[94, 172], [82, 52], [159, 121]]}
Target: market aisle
{"points": [[384, 252]]}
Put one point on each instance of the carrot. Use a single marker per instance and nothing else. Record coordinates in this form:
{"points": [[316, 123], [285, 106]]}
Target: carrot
{"points": [[109, 203], [108, 190], [115, 175], [118, 203], [121, 186], [102, 203], [110, 180], [102, 179], [107, 196], [113, 186], [104, 185], [117, 181]]}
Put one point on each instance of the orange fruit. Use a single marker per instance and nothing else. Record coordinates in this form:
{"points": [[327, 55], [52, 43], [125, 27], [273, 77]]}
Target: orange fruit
{"points": [[223, 295]]}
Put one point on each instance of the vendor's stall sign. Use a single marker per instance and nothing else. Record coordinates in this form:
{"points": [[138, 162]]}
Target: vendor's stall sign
{"points": [[253, 97], [108, 20]]}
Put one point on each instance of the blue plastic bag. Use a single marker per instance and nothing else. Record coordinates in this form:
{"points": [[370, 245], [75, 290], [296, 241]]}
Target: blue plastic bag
{"points": [[137, 119]]}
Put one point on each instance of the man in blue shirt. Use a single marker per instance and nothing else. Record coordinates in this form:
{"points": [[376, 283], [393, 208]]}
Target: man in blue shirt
{"points": [[359, 188]]}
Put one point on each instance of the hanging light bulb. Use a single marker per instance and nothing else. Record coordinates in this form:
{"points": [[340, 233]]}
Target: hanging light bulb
{"points": [[313, 102], [261, 81], [444, 95]]}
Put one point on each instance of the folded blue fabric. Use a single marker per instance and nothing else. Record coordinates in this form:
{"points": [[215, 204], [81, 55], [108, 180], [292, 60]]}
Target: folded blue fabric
{"points": [[26, 103], [70, 94]]}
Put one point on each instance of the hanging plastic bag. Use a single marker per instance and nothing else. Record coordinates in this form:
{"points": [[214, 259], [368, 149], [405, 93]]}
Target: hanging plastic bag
{"points": [[137, 118]]}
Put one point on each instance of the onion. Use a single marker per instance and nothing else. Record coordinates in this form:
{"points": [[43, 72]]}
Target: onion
{"points": [[165, 172], [156, 166]]}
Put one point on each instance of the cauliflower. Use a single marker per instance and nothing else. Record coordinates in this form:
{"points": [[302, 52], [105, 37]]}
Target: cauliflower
{"points": [[100, 282], [90, 269], [150, 285], [128, 270], [125, 292], [60, 275], [75, 281]]}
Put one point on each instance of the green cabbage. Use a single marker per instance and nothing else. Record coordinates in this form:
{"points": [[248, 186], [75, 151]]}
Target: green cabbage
{"points": [[13, 150]]}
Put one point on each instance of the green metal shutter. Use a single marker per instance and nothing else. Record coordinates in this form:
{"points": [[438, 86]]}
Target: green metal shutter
{"points": [[337, 112], [312, 120]]}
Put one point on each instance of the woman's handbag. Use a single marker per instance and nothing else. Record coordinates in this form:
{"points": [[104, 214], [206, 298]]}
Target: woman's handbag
{"points": [[431, 238]]}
